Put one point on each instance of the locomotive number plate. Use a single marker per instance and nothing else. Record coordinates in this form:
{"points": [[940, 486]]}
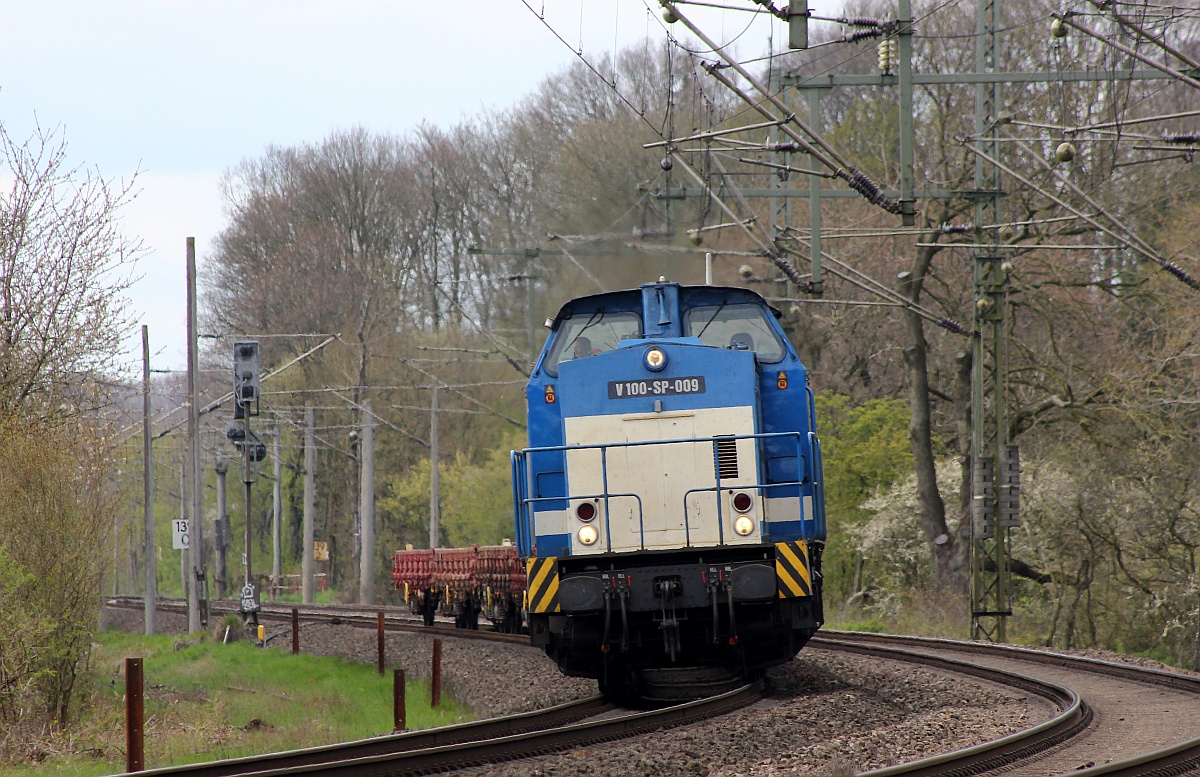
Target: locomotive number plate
{"points": [[656, 387]]}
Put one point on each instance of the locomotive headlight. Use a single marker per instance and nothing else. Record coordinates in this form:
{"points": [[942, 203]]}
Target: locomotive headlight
{"points": [[655, 359], [743, 525], [588, 535]]}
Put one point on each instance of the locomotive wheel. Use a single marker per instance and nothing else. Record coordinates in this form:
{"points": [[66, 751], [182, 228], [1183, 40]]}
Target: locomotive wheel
{"points": [[619, 686], [679, 684]]}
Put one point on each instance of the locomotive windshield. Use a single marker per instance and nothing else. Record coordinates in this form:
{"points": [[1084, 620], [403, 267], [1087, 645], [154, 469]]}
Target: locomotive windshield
{"points": [[740, 327], [588, 334]]}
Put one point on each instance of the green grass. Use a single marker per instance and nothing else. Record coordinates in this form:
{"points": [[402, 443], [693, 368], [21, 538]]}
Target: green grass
{"points": [[202, 703]]}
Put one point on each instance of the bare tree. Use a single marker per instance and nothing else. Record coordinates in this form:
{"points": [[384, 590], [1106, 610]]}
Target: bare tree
{"points": [[63, 267], [64, 264]]}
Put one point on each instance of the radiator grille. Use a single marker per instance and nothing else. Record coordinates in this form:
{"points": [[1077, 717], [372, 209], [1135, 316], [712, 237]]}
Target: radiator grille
{"points": [[727, 462]]}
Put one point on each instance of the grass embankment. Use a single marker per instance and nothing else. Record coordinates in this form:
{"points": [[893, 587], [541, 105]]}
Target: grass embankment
{"points": [[210, 701]]}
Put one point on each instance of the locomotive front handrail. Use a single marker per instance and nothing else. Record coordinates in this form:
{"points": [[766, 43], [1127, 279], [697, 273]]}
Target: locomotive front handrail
{"points": [[798, 436], [524, 458]]}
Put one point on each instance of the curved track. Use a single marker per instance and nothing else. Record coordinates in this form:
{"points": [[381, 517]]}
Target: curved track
{"points": [[473, 744], [1111, 719], [1142, 721]]}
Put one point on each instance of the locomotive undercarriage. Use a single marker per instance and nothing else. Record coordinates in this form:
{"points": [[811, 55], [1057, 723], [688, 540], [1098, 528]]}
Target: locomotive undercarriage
{"points": [[626, 618]]}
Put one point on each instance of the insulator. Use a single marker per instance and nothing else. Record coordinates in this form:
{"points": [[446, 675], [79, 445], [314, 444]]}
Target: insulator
{"points": [[1065, 152], [788, 269], [860, 21], [955, 229], [885, 57], [1180, 273], [1183, 139], [860, 183], [952, 325], [858, 35], [1058, 29]]}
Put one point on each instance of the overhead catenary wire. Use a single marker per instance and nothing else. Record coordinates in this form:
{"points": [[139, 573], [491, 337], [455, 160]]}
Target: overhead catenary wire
{"points": [[469, 398], [500, 344], [1138, 30], [221, 400], [389, 424], [865, 282], [1145, 60], [1135, 244]]}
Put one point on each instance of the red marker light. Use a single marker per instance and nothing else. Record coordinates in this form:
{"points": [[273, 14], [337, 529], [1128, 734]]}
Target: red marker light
{"points": [[586, 511], [742, 501]]}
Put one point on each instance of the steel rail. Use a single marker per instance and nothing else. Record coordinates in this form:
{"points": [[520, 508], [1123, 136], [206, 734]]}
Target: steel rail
{"points": [[1176, 759], [1182, 758], [481, 750], [1073, 715], [396, 619], [389, 746], [1133, 672]]}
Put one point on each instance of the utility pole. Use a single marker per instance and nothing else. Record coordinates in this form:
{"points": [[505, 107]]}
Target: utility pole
{"points": [[148, 487], [196, 571], [221, 529], [434, 485], [276, 511], [310, 507], [366, 562], [990, 553], [248, 481]]}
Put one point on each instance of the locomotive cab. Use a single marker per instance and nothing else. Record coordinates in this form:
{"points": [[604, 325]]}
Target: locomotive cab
{"points": [[669, 504]]}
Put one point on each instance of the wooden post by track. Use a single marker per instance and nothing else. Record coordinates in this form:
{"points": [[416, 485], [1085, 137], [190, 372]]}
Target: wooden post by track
{"points": [[135, 757], [435, 680], [399, 714], [295, 631], [381, 646]]}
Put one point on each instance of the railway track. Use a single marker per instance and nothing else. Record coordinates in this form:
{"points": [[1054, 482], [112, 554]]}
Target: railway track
{"points": [[1141, 721], [474, 744], [1110, 718], [395, 618]]}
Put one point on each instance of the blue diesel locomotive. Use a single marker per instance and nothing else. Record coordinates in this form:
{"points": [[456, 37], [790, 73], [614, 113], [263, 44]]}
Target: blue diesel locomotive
{"points": [[670, 501]]}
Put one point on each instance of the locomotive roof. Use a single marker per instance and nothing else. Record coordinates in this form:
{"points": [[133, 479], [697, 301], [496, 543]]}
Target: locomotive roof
{"points": [[632, 298]]}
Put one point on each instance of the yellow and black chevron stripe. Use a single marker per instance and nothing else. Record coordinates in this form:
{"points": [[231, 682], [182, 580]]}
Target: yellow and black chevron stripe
{"points": [[543, 584], [792, 569]]}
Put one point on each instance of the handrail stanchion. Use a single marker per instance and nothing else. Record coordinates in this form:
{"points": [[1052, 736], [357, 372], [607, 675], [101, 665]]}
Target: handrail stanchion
{"points": [[717, 472], [604, 482]]}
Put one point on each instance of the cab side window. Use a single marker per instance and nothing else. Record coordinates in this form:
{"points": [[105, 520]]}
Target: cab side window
{"points": [[735, 327], [591, 334]]}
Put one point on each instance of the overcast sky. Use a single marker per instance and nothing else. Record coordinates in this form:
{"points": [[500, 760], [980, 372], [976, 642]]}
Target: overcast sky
{"points": [[179, 91]]}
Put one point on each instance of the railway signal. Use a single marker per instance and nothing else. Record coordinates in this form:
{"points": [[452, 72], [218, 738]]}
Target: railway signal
{"points": [[246, 376]]}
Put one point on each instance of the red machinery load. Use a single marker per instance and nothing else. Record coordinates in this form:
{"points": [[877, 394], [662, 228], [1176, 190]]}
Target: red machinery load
{"points": [[490, 579], [413, 568], [501, 569]]}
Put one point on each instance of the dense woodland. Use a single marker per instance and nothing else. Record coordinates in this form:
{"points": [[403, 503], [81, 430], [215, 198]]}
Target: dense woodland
{"points": [[432, 257]]}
